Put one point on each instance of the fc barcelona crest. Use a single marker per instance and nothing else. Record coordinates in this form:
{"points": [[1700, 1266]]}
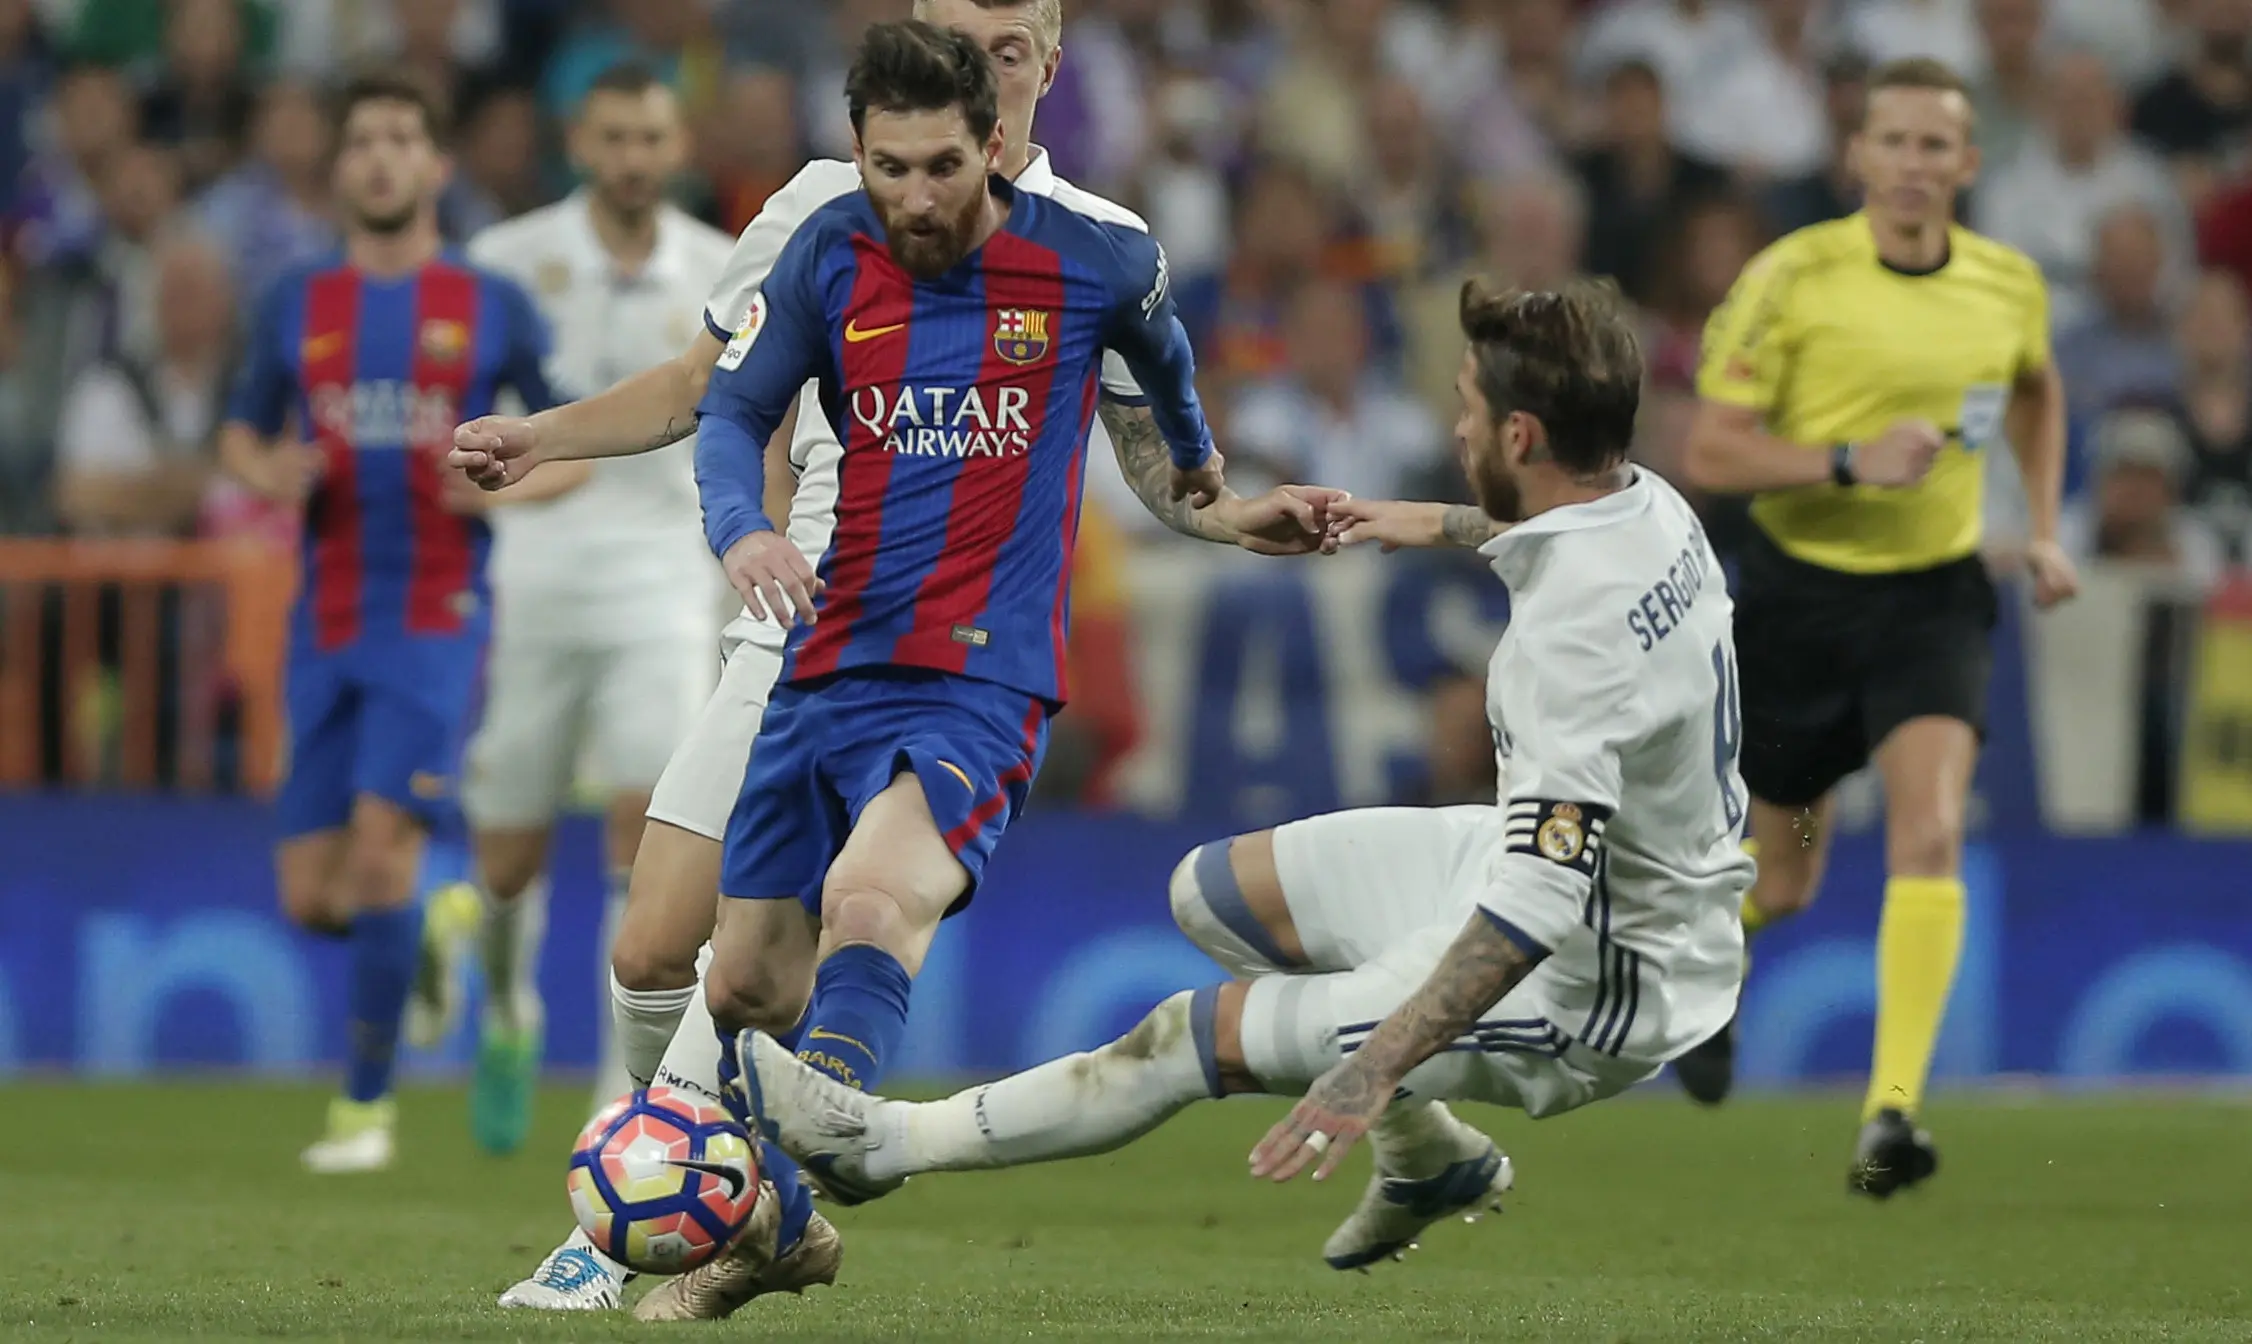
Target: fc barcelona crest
{"points": [[1021, 335], [443, 341]]}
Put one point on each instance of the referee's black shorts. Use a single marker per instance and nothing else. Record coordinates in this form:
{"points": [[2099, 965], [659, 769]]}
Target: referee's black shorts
{"points": [[1829, 663]]}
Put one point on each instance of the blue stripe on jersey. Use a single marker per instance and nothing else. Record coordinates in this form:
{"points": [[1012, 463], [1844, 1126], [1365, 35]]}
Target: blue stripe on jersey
{"points": [[382, 383]]}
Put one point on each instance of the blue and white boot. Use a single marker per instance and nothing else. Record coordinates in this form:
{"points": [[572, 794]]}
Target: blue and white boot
{"points": [[574, 1277], [1394, 1210]]}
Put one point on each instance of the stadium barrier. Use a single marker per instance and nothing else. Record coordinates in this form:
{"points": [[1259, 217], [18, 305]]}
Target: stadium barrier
{"points": [[142, 663], [140, 933]]}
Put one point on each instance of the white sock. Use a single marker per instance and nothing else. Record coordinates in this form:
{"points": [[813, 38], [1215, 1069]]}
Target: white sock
{"points": [[1069, 1107], [691, 1061], [1419, 1139], [644, 1021], [611, 1077], [511, 941]]}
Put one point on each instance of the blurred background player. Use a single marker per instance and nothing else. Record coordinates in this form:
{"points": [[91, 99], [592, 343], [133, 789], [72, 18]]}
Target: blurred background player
{"points": [[1863, 606], [370, 359], [606, 604]]}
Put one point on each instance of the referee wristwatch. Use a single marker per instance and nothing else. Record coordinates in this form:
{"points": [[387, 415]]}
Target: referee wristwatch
{"points": [[1841, 465]]}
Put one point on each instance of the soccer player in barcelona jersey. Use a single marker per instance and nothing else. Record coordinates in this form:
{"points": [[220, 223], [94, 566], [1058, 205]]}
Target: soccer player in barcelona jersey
{"points": [[1853, 382], [357, 372]]}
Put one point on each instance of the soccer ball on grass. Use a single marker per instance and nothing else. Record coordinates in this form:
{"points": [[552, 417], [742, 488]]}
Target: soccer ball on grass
{"points": [[662, 1182]]}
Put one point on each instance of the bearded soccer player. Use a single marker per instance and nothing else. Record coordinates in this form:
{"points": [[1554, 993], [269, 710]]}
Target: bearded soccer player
{"points": [[663, 1029], [1854, 380], [373, 357]]}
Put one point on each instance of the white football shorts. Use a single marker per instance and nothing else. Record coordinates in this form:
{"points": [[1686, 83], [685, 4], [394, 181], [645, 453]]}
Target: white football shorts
{"points": [[623, 705], [1377, 896], [699, 785]]}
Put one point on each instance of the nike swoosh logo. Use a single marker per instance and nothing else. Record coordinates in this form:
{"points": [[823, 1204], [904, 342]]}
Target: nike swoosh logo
{"points": [[824, 1034], [950, 768], [855, 333], [718, 1171]]}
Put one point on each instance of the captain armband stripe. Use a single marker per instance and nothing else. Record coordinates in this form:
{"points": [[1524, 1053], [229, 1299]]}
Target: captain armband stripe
{"points": [[1567, 834]]}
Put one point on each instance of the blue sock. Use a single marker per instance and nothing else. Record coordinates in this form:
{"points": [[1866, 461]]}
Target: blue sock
{"points": [[859, 1013], [385, 947], [775, 1165]]}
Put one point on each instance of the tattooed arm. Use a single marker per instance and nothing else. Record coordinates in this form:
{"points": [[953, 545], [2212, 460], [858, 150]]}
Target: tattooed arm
{"points": [[1287, 521], [1483, 964], [1394, 524]]}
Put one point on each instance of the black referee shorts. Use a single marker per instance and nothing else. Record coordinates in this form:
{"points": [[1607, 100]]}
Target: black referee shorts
{"points": [[1829, 663]]}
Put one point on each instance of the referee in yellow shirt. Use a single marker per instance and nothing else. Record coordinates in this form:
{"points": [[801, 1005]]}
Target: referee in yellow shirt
{"points": [[1852, 382]]}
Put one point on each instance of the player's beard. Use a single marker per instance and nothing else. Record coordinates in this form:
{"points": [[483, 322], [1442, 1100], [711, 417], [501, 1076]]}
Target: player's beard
{"points": [[1495, 485], [387, 223], [940, 245]]}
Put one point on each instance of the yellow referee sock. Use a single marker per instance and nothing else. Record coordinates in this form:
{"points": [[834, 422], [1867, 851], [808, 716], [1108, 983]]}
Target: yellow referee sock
{"points": [[1754, 918], [1919, 938]]}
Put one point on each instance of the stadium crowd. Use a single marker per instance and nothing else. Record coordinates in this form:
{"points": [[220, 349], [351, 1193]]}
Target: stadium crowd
{"points": [[1323, 173]]}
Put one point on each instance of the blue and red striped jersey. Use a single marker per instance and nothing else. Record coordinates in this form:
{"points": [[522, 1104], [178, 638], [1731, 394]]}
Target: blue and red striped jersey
{"points": [[963, 404], [376, 371]]}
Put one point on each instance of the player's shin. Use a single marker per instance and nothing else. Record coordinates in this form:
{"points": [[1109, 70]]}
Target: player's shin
{"points": [[510, 941], [1070, 1107], [858, 1015]]}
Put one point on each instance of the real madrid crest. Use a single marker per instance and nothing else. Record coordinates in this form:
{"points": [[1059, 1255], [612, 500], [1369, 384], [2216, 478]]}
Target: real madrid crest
{"points": [[443, 341], [1562, 836], [552, 277], [1020, 335]]}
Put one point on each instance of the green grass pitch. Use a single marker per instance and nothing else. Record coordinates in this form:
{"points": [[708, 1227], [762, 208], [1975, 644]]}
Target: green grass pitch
{"points": [[139, 1212]]}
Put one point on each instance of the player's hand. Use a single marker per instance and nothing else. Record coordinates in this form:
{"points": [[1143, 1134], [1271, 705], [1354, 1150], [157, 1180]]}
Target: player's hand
{"points": [[287, 472], [773, 578], [1902, 455], [495, 451], [1287, 520], [1341, 1106], [459, 494], [1390, 523], [2055, 578], [1202, 486]]}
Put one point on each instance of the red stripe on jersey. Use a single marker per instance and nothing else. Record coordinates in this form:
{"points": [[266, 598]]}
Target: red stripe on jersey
{"points": [[1023, 281], [1019, 773], [1088, 399], [445, 353], [883, 300], [328, 351]]}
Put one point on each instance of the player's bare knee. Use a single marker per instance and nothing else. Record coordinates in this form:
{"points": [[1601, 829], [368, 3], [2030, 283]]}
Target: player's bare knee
{"points": [[1924, 842], [641, 958], [755, 995], [309, 905], [863, 913], [379, 867], [1243, 925], [507, 866]]}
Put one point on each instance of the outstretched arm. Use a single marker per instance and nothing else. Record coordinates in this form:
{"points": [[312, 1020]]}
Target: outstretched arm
{"points": [[1484, 963], [1289, 520], [1394, 524]]}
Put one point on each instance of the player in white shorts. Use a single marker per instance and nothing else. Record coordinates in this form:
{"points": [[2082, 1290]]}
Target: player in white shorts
{"points": [[1543, 953], [663, 1027], [606, 599]]}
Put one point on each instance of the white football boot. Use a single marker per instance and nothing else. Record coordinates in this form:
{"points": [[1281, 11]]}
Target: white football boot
{"points": [[1394, 1210], [751, 1267], [359, 1138], [828, 1127], [574, 1277]]}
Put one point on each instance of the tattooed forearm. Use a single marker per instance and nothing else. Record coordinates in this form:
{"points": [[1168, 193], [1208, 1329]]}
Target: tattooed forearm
{"points": [[1481, 966], [1148, 467], [1467, 526], [674, 431]]}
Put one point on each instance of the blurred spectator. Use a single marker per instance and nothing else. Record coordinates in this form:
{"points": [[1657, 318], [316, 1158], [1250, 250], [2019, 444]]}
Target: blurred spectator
{"points": [[1831, 191], [272, 212], [748, 145], [56, 213], [2135, 36], [1636, 179], [1762, 116], [1414, 197], [2134, 512], [1892, 30], [140, 193], [133, 453], [1530, 231], [1182, 193], [497, 163], [1538, 82], [1095, 120], [1483, 109], [2078, 169], [672, 37], [1312, 110], [2198, 113], [320, 39], [1691, 44], [1328, 418], [425, 48], [26, 76], [1703, 251], [2123, 351], [2215, 406], [134, 33], [200, 108], [2007, 97]]}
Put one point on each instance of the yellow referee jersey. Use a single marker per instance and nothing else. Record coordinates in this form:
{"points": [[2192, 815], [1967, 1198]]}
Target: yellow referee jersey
{"points": [[1832, 345]]}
